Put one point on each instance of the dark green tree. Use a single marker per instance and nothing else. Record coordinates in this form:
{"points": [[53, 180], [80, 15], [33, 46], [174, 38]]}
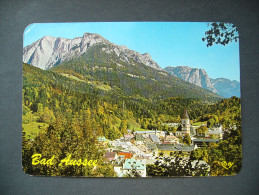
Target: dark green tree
{"points": [[220, 33], [177, 166], [187, 139]]}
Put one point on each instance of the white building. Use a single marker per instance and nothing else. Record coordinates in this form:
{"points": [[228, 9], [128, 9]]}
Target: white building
{"points": [[131, 166]]}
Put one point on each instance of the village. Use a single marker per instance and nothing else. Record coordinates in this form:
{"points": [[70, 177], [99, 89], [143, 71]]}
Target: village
{"points": [[135, 150]]}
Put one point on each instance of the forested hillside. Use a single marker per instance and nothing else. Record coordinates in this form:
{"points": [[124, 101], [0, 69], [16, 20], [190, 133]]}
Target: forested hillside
{"points": [[69, 109], [131, 78]]}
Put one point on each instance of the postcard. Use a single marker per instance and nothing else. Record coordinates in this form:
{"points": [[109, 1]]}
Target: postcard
{"points": [[131, 99]]}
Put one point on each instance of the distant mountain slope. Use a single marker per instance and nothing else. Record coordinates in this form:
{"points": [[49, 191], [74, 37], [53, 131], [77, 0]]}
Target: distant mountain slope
{"points": [[222, 86], [226, 87], [192, 75], [133, 78], [102, 64], [49, 51]]}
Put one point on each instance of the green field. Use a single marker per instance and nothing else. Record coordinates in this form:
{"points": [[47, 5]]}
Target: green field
{"points": [[135, 125], [93, 83], [200, 123], [32, 129]]}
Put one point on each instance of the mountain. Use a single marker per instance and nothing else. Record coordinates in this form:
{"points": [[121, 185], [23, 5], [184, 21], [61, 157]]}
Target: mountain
{"points": [[115, 70], [192, 75], [131, 78], [226, 87], [222, 86], [49, 51]]}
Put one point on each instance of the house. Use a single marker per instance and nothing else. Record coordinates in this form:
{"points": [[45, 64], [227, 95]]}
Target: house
{"points": [[139, 139], [120, 144], [118, 165], [199, 142], [214, 133], [126, 155], [110, 155], [153, 148], [123, 167], [193, 129], [103, 141], [178, 133], [170, 149], [171, 124], [128, 137], [171, 139], [166, 142], [143, 148], [149, 132], [125, 146], [150, 161], [154, 138], [137, 165], [137, 150]]}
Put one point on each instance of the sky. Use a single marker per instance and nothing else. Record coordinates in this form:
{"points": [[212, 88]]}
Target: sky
{"points": [[168, 43]]}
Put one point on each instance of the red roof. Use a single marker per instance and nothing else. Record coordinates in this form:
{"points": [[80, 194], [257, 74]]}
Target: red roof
{"points": [[126, 154]]}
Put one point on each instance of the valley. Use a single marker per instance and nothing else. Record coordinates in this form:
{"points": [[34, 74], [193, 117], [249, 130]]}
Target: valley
{"points": [[96, 100]]}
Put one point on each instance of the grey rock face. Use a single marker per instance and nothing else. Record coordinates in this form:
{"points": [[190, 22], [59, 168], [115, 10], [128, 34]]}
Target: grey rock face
{"points": [[50, 51], [126, 55], [221, 86], [192, 75]]}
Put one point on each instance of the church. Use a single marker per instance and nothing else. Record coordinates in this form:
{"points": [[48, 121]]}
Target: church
{"points": [[185, 127]]}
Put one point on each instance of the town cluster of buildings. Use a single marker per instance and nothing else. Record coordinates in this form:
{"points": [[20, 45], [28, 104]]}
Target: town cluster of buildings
{"points": [[134, 151]]}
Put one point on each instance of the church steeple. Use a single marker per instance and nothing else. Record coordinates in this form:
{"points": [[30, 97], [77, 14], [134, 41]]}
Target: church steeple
{"points": [[185, 122], [185, 114]]}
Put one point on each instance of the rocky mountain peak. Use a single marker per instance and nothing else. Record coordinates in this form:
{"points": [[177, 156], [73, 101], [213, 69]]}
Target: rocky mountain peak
{"points": [[147, 55], [50, 51], [196, 76], [221, 86]]}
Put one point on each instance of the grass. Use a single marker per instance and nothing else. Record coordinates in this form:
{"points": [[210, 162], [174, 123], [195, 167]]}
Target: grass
{"points": [[94, 83], [32, 129], [103, 87], [200, 123], [135, 125], [72, 77]]}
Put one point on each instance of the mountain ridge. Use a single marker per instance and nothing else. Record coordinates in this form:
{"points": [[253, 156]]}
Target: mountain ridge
{"points": [[221, 86], [93, 59], [50, 51], [132, 77]]}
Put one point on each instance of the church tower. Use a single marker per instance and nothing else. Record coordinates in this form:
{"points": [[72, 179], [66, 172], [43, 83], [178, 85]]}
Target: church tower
{"points": [[186, 126]]}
